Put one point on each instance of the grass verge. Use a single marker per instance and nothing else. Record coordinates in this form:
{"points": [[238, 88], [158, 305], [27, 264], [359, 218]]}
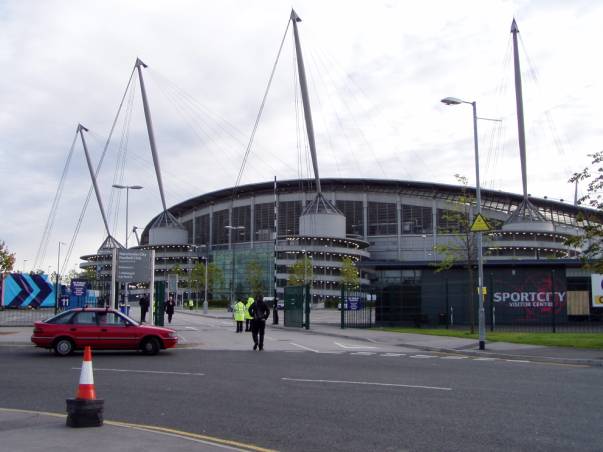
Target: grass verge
{"points": [[575, 340]]}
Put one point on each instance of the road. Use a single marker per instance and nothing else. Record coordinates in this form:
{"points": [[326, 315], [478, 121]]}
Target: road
{"points": [[314, 392]]}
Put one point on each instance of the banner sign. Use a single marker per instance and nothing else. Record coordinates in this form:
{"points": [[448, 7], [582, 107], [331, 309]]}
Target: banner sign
{"points": [[528, 294], [133, 265], [597, 290], [78, 287], [22, 290]]}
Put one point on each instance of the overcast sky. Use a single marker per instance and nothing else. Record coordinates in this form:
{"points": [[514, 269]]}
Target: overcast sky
{"points": [[377, 71]]}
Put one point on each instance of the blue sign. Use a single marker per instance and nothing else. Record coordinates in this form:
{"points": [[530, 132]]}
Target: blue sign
{"points": [[23, 290], [78, 287], [353, 303]]}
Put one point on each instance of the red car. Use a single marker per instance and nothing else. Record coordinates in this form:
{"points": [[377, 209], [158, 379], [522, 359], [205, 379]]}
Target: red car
{"points": [[101, 328]]}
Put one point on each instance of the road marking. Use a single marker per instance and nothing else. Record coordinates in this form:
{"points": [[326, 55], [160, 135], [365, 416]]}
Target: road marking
{"points": [[353, 346], [422, 356], [393, 354], [143, 371], [205, 439], [366, 383], [192, 328], [485, 359], [331, 353], [454, 357], [304, 347], [363, 353], [517, 361]]}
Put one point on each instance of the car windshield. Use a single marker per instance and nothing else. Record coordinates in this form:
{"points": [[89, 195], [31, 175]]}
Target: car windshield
{"points": [[63, 317], [129, 319]]}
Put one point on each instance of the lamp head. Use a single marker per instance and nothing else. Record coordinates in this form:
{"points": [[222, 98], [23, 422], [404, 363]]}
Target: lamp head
{"points": [[118, 186], [136, 187], [451, 101]]}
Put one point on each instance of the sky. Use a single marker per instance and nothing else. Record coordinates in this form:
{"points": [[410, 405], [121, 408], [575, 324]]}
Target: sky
{"points": [[377, 71]]}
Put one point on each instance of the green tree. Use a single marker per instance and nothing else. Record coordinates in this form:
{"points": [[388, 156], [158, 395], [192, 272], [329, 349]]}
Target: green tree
{"points": [[350, 276], [461, 249], [254, 273], [7, 259], [591, 241], [301, 272], [215, 277]]}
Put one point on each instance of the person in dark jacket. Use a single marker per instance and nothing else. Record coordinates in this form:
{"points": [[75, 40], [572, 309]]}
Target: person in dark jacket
{"points": [[259, 312], [144, 308], [169, 308]]}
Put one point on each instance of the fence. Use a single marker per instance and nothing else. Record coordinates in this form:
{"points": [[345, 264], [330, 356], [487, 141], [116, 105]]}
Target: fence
{"points": [[450, 304]]}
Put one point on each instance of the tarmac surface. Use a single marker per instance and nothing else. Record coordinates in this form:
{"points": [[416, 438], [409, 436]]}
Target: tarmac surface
{"points": [[26, 431]]}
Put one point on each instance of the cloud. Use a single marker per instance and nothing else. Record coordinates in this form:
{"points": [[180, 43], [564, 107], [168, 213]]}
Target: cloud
{"points": [[377, 71]]}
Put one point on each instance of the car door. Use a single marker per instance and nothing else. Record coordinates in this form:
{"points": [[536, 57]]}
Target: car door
{"points": [[115, 332], [84, 329]]}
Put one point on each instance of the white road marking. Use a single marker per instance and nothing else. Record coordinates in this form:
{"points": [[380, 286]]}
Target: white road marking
{"points": [[393, 354], [304, 347], [368, 383], [454, 357], [363, 353], [422, 356], [331, 353], [353, 346], [192, 328], [484, 359], [143, 371], [517, 361]]}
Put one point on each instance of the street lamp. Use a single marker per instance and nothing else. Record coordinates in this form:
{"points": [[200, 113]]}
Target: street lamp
{"points": [[127, 188], [480, 263], [56, 297], [24, 260], [206, 260], [232, 248]]}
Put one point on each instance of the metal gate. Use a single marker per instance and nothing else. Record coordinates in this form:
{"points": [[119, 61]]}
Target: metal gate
{"points": [[297, 307], [357, 308]]}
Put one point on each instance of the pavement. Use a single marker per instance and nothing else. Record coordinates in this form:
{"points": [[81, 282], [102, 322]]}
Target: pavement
{"points": [[47, 431]]}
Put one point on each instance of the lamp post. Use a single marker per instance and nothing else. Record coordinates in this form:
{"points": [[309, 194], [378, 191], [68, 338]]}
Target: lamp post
{"points": [[24, 260], [56, 295], [232, 268], [480, 263], [127, 188]]}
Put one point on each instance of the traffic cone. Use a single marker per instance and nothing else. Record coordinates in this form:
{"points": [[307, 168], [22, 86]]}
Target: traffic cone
{"points": [[85, 410], [85, 390]]}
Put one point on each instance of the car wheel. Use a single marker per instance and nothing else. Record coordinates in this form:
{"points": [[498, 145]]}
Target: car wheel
{"points": [[63, 347], [150, 346]]}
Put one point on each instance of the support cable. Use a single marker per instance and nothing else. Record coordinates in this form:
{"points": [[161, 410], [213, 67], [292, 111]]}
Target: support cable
{"points": [[257, 120], [98, 168], [41, 253]]}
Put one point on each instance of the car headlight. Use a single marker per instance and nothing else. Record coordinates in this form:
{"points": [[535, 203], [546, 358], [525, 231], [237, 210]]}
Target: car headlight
{"points": [[172, 334]]}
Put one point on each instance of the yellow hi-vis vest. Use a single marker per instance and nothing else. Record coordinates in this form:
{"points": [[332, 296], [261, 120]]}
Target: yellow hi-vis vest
{"points": [[250, 301], [239, 311]]}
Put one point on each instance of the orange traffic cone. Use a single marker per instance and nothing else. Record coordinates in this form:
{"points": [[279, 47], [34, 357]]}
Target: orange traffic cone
{"points": [[85, 410], [85, 390]]}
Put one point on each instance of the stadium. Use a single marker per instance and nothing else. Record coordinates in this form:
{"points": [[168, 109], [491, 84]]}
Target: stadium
{"points": [[396, 232]]}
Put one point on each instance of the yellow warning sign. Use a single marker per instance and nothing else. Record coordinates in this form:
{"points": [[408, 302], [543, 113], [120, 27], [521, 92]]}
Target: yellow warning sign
{"points": [[480, 224]]}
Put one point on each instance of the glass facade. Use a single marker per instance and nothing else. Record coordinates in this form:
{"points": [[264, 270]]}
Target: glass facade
{"points": [[382, 218], [288, 217], [354, 216], [202, 230], [263, 221], [241, 216], [416, 220], [219, 222]]}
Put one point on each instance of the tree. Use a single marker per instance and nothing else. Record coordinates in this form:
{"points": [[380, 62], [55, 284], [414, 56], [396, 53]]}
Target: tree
{"points": [[591, 242], [301, 272], [215, 277], [255, 276], [462, 248], [350, 276], [7, 259]]}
